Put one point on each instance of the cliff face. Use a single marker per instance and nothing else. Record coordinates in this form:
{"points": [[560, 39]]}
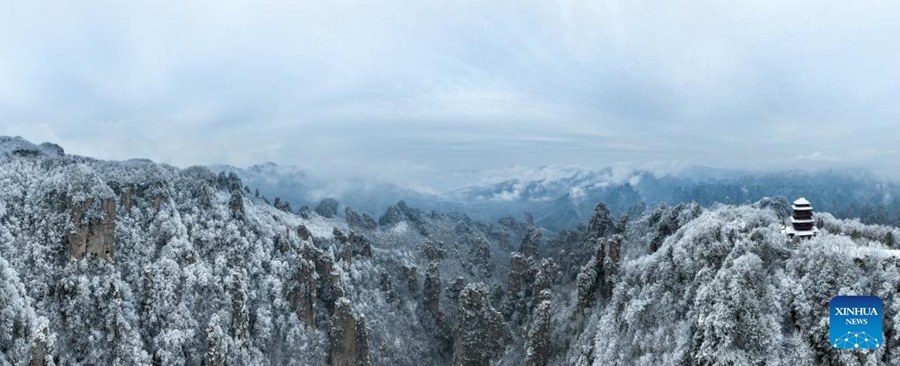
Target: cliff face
{"points": [[92, 235], [349, 337], [431, 290], [303, 296], [480, 332]]}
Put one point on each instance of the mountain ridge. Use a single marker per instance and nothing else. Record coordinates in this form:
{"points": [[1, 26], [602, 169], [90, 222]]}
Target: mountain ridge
{"points": [[202, 272]]}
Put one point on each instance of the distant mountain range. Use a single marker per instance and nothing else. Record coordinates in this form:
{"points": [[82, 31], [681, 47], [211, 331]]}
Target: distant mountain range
{"points": [[563, 197], [303, 188]]}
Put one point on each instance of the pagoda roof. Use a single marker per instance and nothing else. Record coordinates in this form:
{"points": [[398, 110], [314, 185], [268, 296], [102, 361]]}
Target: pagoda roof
{"points": [[798, 208], [801, 202], [801, 221], [791, 231]]}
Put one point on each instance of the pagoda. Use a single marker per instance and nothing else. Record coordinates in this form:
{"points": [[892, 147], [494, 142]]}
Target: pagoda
{"points": [[802, 223]]}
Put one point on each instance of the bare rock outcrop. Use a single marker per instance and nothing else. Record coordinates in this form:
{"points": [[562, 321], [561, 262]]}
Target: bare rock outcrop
{"points": [[531, 243], [611, 267], [159, 193], [481, 332], [360, 245], [327, 279], [539, 335], [601, 224], [303, 293], [400, 212], [392, 216], [481, 262], [520, 283], [599, 272], [240, 316], [543, 281], [39, 351], [349, 337], [215, 343], [339, 235], [236, 204], [228, 182], [357, 220], [615, 249], [362, 342], [433, 252], [347, 255], [94, 235], [412, 279], [431, 290], [327, 208], [529, 219], [303, 232], [127, 195], [369, 222], [589, 277], [455, 288], [387, 286]]}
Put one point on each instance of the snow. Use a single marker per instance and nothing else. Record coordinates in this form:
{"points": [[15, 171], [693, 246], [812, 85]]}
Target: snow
{"points": [[192, 283], [801, 221], [801, 202]]}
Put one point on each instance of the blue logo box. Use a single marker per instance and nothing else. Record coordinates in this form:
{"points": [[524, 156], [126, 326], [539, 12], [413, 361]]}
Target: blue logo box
{"points": [[855, 322]]}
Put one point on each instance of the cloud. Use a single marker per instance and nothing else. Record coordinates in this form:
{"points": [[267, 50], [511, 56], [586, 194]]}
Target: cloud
{"points": [[817, 156], [374, 87]]}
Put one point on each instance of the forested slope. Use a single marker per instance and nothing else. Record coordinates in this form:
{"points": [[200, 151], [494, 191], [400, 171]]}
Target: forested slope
{"points": [[141, 263]]}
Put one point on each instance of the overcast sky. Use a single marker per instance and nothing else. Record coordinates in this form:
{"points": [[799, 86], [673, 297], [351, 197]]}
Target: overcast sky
{"points": [[400, 88]]}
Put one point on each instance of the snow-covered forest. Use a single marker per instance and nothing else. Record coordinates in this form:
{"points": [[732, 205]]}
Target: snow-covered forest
{"points": [[140, 263]]}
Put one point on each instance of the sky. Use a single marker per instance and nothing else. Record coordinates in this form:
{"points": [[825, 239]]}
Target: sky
{"points": [[412, 88]]}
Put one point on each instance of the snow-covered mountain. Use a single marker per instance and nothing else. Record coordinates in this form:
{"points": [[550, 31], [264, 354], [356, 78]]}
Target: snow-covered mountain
{"points": [[562, 197], [138, 263], [727, 289], [300, 187], [562, 200]]}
